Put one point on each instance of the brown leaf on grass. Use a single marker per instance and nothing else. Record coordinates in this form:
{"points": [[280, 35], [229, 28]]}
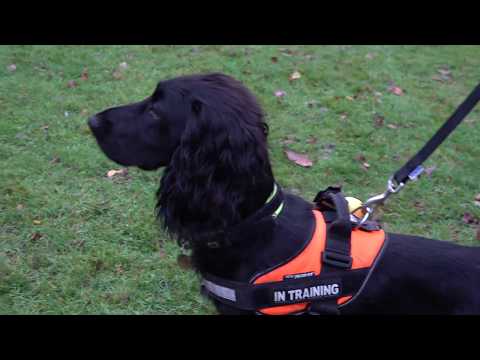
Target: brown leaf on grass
{"points": [[470, 219], [297, 158], [429, 170], [55, 160], [349, 98], [343, 116], [20, 207], [274, 59], [361, 158], [37, 222], [84, 75], [378, 120], [35, 236], [71, 84], [121, 172], [294, 76], [395, 90], [117, 75], [312, 140], [392, 126], [184, 261]]}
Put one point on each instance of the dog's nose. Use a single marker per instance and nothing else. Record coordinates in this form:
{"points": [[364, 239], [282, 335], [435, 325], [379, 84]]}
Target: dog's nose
{"points": [[94, 123]]}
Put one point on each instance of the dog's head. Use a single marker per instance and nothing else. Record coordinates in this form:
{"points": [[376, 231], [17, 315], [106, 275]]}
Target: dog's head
{"points": [[147, 133]]}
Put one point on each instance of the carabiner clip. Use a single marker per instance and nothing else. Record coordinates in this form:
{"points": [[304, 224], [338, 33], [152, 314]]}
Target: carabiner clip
{"points": [[370, 205]]}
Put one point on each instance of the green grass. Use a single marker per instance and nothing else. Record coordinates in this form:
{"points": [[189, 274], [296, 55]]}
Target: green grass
{"points": [[101, 251]]}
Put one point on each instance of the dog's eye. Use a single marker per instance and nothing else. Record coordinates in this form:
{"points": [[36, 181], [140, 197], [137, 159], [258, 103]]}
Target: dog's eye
{"points": [[153, 114]]}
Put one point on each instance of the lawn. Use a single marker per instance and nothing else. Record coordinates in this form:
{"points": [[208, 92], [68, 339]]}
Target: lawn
{"points": [[74, 241]]}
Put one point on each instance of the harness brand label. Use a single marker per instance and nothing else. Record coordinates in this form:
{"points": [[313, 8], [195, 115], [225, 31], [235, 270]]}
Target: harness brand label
{"points": [[298, 276], [307, 293]]}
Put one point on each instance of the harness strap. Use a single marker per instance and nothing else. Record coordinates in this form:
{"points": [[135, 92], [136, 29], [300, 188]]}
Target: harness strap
{"points": [[337, 246], [252, 297]]}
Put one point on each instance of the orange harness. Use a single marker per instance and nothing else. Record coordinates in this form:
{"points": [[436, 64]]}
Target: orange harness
{"points": [[365, 246], [331, 269]]}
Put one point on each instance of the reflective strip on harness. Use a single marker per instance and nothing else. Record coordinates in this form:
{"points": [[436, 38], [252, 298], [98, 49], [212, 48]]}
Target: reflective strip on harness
{"points": [[220, 291]]}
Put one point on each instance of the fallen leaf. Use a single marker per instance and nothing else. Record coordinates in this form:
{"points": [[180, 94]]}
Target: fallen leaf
{"points": [[312, 140], [366, 165], [121, 172], [55, 160], [274, 59], [117, 75], [343, 116], [396, 90], [378, 120], [71, 84], [350, 98], [184, 261], [20, 207], [361, 158], [12, 67], [299, 159], [35, 236], [429, 170], [392, 126], [84, 75], [37, 222], [280, 93], [295, 76], [468, 218]]}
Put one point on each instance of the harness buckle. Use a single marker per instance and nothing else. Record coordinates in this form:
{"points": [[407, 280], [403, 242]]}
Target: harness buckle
{"points": [[337, 260]]}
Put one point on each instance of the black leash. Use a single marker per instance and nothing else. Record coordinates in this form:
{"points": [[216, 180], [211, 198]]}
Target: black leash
{"points": [[413, 168], [409, 170]]}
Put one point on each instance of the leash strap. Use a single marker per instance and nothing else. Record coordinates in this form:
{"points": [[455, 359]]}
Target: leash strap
{"points": [[413, 168]]}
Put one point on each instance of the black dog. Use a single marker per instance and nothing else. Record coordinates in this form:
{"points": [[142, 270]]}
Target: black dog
{"points": [[209, 133]]}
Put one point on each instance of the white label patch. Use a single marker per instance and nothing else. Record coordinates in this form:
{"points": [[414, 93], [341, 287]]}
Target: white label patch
{"points": [[306, 293]]}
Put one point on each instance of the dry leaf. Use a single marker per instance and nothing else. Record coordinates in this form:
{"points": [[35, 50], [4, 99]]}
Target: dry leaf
{"points": [[12, 67], [299, 159], [396, 90], [274, 59], [35, 236], [366, 165], [55, 160], [361, 158], [295, 76], [20, 207], [343, 116], [378, 120], [84, 75], [122, 172], [71, 84], [280, 93], [392, 126], [429, 170], [184, 261], [312, 140], [350, 98], [468, 218], [117, 75], [37, 222]]}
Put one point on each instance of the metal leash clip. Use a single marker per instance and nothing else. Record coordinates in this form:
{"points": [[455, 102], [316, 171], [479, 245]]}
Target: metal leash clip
{"points": [[370, 205]]}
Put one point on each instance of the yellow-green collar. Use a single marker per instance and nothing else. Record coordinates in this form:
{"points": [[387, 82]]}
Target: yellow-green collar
{"points": [[280, 207]]}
